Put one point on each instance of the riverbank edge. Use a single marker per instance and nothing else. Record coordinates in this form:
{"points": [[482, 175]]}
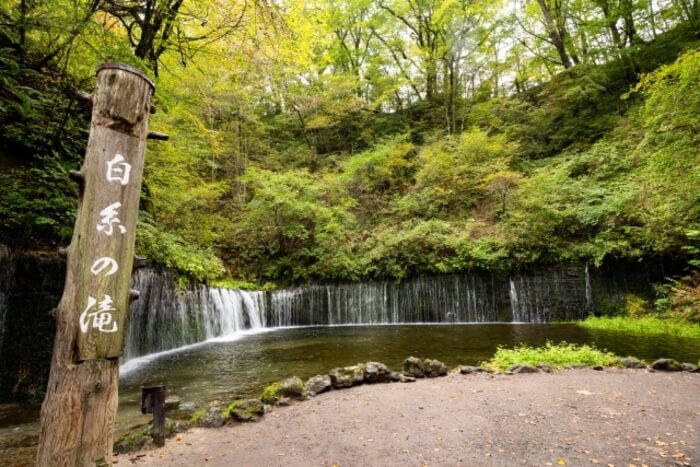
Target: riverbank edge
{"points": [[284, 392]]}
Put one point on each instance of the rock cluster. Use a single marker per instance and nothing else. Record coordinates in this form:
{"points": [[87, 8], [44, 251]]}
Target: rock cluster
{"points": [[283, 392], [662, 364], [428, 368]]}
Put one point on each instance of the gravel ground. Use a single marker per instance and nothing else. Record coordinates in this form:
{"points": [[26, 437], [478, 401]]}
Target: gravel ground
{"points": [[577, 417]]}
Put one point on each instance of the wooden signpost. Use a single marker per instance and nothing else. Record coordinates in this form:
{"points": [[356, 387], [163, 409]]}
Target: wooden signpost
{"points": [[78, 413]]}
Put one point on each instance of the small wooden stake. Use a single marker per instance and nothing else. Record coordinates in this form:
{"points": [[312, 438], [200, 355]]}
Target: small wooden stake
{"points": [[153, 401]]}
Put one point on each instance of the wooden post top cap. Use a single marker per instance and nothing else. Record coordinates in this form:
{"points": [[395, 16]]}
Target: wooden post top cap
{"points": [[125, 67], [153, 386]]}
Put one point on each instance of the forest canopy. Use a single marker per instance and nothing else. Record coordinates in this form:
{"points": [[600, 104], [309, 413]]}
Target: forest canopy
{"points": [[355, 139]]}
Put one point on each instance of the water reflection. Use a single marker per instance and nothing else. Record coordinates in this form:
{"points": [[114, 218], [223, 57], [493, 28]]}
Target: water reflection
{"points": [[225, 370]]}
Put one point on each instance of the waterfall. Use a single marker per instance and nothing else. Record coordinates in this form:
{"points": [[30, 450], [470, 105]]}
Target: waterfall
{"points": [[513, 294], [466, 298], [558, 293], [167, 317], [589, 289]]}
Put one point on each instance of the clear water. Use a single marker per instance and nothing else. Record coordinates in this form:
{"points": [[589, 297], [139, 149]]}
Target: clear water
{"points": [[224, 370]]}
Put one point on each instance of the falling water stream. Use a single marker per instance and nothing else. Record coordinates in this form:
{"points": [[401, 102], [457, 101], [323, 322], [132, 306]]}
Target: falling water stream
{"points": [[166, 318]]}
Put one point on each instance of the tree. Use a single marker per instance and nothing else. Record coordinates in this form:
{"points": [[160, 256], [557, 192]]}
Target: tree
{"points": [[154, 26], [40, 31], [501, 184]]}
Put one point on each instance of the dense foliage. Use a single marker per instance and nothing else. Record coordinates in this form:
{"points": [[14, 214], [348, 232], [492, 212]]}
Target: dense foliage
{"points": [[341, 140]]}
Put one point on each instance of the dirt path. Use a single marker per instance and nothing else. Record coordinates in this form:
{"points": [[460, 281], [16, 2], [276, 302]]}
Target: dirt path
{"points": [[580, 417]]}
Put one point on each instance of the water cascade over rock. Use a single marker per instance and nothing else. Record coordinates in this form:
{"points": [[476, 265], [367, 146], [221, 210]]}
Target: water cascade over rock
{"points": [[166, 317], [463, 298]]}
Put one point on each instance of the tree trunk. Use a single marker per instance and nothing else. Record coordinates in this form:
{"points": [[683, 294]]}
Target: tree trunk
{"points": [[78, 413], [554, 35], [611, 22], [630, 28]]}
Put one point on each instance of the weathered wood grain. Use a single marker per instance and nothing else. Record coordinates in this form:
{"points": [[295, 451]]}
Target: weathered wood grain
{"points": [[77, 415]]}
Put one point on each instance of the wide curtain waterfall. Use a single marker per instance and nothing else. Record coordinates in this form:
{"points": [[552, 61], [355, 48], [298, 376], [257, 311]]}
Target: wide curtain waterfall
{"points": [[467, 298], [166, 317]]}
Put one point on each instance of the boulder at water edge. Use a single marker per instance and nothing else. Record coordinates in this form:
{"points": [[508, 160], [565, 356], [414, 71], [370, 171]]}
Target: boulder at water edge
{"points": [[666, 364], [519, 368], [632, 362], [417, 368], [246, 410], [318, 384], [348, 376], [211, 417], [172, 402], [292, 388], [376, 372], [413, 366], [468, 369], [434, 368]]}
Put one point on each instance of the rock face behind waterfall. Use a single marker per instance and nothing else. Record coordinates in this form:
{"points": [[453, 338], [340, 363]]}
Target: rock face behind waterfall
{"points": [[31, 284]]}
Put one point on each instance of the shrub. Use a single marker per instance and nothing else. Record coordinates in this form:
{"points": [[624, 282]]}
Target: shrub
{"points": [[556, 355]]}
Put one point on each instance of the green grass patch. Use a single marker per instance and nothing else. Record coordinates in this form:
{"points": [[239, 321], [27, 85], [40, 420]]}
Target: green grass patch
{"points": [[643, 326], [555, 355]]}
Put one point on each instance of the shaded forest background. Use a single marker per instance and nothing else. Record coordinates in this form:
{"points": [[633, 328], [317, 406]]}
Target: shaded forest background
{"points": [[356, 139]]}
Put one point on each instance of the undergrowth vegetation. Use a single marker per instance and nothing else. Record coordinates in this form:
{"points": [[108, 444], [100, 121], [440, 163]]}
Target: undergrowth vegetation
{"points": [[643, 326], [554, 355]]}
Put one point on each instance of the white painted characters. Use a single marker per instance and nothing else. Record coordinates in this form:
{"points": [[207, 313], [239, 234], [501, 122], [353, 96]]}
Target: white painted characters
{"points": [[118, 170], [110, 219], [98, 314], [100, 318], [102, 264]]}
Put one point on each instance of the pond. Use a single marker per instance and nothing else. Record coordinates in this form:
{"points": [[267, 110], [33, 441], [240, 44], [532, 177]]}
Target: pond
{"points": [[222, 370], [241, 368]]}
